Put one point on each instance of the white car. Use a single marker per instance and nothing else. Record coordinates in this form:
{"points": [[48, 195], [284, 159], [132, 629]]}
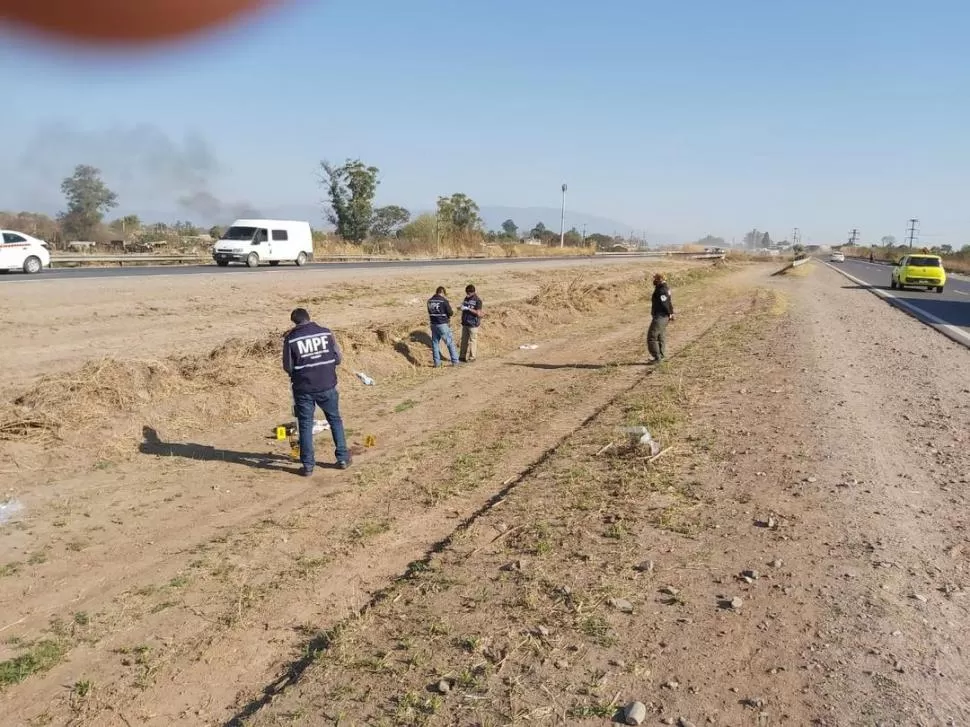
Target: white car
{"points": [[837, 257], [20, 251]]}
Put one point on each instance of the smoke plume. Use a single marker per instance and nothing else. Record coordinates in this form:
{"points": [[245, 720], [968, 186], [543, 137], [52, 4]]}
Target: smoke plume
{"points": [[145, 166]]}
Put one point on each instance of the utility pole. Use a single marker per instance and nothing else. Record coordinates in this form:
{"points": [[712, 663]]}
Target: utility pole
{"points": [[584, 235], [562, 219], [796, 237], [853, 237], [912, 231]]}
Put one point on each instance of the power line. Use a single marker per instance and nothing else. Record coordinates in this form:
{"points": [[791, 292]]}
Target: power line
{"points": [[912, 231], [853, 237]]}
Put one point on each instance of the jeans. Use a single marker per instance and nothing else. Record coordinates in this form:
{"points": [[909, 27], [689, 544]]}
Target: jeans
{"points": [[305, 403], [439, 332], [469, 343], [657, 337]]}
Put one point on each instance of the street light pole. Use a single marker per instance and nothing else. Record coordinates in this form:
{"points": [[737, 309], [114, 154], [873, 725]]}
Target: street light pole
{"points": [[562, 219]]}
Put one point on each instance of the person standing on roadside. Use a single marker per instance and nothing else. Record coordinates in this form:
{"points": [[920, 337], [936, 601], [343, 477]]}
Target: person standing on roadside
{"points": [[440, 313], [661, 312], [311, 356], [471, 320]]}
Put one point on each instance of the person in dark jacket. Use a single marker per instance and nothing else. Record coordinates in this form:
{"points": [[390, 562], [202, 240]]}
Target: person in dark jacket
{"points": [[661, 312], [439, 314], [471, 321], [311, 356]]}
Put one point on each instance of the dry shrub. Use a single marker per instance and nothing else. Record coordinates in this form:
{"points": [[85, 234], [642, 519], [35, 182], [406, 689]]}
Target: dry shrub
{"points": [[241, 379], [577, 294], [101, 390]]}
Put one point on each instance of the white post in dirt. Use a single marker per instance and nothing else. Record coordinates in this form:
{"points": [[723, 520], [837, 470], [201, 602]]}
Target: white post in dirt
{"points": [[562, 219]]}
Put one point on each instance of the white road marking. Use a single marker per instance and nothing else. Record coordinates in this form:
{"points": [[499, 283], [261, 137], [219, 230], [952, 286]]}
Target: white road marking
{"points": [[951, 331]]}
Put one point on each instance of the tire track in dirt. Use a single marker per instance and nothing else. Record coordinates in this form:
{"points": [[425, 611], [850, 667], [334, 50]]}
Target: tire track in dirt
{"points": [[499, 634], [797, 488], [295, 670]]}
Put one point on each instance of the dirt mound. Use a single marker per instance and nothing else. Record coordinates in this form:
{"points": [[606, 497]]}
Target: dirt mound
{"points": [[241, 378], [100, 390]]}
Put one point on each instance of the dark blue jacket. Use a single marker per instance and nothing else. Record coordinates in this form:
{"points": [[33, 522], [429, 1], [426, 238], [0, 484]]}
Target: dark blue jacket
{"points": [[311, 356], [661, 305], [471, 302], [439, 310]]}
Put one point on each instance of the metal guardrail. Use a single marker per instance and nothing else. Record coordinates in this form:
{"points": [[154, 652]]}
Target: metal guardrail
{"points": [[148, 259], [151, 259], [133, 259]]}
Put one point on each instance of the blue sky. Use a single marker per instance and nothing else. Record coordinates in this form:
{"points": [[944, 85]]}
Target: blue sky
{"points": [[682, 118]]}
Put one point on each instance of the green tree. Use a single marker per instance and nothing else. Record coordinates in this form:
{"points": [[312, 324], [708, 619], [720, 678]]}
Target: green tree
{"points": [[38, 225], [350, 190], [88, 199], [888, 241], [215, 232], [127, 225], [421, 228], [753, 238], [458, 215], [602, 242], [573, 238], [946, 249], [185, 228], [510, 229], [389, 220], [538, 231]]}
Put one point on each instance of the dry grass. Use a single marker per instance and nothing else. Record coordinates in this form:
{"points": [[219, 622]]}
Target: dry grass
{"points": [[405, 249], [101, 390], [98, 404], [522, 625]]}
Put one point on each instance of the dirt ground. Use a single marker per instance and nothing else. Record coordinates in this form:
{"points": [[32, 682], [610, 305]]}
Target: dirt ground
{"points": [[56, 325], [794, 555]]}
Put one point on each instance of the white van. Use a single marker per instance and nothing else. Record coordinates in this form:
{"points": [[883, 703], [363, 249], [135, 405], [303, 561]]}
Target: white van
{"points": [[20, 251], [265, 241]]}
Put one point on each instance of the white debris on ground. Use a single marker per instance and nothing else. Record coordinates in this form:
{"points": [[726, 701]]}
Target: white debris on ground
{"points": [[9, 511], [641, 437]]}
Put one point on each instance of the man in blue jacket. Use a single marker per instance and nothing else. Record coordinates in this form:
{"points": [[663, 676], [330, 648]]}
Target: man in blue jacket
{"points": [[439, 314], [311, 356]]}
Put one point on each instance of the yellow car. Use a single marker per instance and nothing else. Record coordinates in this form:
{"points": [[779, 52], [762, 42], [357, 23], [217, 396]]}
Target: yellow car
{"points": [[922, 271]]}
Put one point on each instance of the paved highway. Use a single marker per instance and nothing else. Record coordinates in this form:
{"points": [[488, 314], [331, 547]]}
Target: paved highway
{"points": [[212, 269], [948, 312]]}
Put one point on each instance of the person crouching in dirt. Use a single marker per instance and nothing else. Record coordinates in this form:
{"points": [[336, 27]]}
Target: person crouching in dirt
{"points": [[471, 321], [440, 313], [311, 356], [661, 312]]}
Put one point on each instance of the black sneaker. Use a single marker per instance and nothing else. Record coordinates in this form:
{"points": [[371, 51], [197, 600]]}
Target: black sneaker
{"points": [[343, 464], [305, 472]]}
